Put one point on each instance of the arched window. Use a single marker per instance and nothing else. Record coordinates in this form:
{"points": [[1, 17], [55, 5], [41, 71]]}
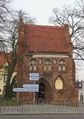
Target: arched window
{"points": [[40, 61], [47, 65], [54, 61], [59, 83], [62, 66], [33, 65]]}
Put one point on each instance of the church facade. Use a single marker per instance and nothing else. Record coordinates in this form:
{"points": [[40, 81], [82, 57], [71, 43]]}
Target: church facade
{"points": [[47, 51]]}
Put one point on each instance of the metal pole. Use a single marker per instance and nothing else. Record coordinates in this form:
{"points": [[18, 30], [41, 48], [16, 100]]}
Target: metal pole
{"points": [[34, 96]]}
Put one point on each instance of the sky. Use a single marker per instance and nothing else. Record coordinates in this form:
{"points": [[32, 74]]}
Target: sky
{"points": [[41, 10]]}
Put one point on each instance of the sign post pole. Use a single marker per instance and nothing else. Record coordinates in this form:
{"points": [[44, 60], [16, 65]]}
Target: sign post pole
{"points": [[29, 87], [34, 96], [34, 77]]}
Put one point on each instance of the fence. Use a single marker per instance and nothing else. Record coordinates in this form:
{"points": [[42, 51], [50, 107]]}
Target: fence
{"points": [[13, 102], [41, 109], [26, 107]]}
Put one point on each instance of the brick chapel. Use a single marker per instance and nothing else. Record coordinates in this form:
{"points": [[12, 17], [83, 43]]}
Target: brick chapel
{"points": [[46, 50]]}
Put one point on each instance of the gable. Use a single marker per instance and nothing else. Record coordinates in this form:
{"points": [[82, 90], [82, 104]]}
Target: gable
{"points": [[46, 38]]}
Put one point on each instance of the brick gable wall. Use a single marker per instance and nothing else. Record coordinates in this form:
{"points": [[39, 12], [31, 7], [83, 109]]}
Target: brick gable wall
{"points": [[69, 91]]}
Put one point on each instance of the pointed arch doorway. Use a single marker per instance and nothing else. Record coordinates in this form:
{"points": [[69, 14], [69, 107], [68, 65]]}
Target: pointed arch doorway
{"points": [[44, 93]]}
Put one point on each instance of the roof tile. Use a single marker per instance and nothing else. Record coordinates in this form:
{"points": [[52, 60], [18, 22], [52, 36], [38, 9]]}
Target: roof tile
{"points": [[46, 38]]}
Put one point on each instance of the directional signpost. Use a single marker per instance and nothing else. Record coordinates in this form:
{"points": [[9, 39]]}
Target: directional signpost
{"points": [[34, 76], [30, 87], [18, 89], [25, 90]]}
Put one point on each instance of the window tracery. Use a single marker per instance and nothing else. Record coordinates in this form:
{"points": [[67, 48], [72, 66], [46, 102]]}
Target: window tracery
{"points": [[33, 65], [47, 65], [62, 66]]}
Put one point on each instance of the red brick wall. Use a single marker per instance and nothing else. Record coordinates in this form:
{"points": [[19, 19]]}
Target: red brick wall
{"points": [[69, 91]]}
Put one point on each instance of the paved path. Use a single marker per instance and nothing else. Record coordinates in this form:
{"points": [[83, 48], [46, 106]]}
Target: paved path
{"points": [[41, 116]]}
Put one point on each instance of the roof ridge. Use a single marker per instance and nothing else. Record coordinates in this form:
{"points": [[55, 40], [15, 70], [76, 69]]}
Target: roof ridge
{"points": [[44, 26]]}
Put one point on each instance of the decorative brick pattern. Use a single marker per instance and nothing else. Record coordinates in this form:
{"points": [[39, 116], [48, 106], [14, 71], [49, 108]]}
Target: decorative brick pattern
{"points": [[46, 40]]}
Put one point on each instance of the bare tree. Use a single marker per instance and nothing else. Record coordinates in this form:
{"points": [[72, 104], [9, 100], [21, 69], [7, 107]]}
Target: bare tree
{"points": [[9, 20], [12, 42], [74, 17]]}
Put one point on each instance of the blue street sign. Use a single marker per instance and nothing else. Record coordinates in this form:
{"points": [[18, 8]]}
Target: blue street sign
{"points": [[26, 90], [34, 74], [34, 86], [33, 78]]}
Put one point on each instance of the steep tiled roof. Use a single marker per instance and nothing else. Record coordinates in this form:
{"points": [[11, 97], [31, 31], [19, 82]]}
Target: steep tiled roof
{"points": [[46, 38]]}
